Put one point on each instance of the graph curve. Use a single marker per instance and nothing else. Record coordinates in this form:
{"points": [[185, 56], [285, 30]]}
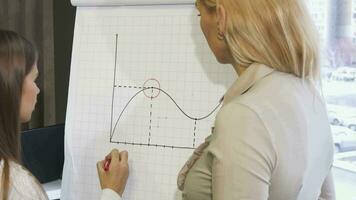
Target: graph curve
{"points": [[171, 98]]}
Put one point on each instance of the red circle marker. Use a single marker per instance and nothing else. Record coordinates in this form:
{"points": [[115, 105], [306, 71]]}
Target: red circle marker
{"points": [[152, 88]]}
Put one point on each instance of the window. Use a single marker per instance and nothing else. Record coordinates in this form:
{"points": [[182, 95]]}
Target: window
{"points": [[338, 29]]}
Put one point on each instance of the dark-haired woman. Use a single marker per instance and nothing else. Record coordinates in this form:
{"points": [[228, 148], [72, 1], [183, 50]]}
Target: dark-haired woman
{"points": [[18, 96]]}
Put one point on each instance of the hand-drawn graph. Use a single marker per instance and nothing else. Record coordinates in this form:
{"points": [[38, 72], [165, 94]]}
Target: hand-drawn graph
{"points": [[148, 97], [163, 68]]}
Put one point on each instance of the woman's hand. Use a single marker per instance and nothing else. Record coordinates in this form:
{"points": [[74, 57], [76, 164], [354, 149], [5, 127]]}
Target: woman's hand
{"points": [[117, 173]]}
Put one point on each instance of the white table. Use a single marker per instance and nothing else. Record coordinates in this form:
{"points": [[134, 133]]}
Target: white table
{"points": [[53, 189]]}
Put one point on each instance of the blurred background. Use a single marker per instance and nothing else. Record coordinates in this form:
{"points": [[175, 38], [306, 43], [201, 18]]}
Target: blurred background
{"points": [[336, 23]]}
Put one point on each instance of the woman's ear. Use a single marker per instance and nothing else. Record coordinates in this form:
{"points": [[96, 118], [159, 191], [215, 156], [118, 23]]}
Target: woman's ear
{"points": [[221, 19]]}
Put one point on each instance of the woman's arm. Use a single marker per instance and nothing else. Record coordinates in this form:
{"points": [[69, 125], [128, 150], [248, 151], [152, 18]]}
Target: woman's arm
{"points": [[243, 157]]}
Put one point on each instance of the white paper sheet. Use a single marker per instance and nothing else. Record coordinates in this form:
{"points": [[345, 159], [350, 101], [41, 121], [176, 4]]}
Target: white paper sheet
{"points": [[128, 2], [141, 77]]}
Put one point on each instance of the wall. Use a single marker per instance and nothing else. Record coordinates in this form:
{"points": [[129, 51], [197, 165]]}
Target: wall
{"points": [[64, 17]]}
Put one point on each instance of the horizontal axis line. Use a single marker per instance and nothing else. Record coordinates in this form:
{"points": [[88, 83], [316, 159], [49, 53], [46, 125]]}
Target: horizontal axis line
{"points": [[152, 145]]}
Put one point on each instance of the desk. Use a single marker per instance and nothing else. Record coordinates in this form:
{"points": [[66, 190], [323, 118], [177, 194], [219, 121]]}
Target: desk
{"points": [[53, 189]]}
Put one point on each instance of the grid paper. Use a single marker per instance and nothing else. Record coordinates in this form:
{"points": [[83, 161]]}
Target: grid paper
{"points": [[142, 79]]}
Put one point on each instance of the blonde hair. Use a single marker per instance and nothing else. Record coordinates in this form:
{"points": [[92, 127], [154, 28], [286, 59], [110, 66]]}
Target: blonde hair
{"points": [[277, 33]]}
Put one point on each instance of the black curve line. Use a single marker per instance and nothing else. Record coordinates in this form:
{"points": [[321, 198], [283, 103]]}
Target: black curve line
{"points": [[114, 83], [142, 90]]}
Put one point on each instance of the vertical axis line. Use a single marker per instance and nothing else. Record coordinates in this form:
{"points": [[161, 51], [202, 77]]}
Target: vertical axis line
{"points": [[113, 88]]}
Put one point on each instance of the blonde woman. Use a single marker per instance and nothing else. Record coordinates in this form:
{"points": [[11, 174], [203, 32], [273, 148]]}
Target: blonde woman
{"points": [[271, 139]]}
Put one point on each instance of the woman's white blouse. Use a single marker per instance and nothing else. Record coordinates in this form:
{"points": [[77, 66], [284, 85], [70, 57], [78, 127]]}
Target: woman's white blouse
{"points": [[24, 186], [271, 140]]}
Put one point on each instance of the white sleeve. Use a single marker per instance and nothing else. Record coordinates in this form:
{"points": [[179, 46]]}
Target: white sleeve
{"points": [[109, 194], [328, 190], [243, 155]]}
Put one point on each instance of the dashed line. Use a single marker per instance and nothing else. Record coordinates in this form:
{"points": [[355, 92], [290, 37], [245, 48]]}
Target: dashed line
{"points": [[129, 86], [150, 127], [195, 129]]}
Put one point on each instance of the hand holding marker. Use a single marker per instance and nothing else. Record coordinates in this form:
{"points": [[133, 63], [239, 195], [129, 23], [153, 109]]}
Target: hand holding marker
{"points": [[114, 171], [107, 164]]}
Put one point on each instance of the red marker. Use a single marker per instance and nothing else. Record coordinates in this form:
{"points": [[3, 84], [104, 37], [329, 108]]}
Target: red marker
{"points": [[107, 164]]}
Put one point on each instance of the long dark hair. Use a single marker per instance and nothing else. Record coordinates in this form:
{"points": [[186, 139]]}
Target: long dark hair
{"points": [[17, 56]]}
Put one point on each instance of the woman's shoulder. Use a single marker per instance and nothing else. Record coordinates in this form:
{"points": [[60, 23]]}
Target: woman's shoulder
{"points": [[237, 121], [279, 92], [23, 185]]}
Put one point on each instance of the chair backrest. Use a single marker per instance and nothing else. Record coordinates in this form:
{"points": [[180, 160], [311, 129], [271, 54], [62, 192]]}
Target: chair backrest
{"points": [[43, 152]]}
